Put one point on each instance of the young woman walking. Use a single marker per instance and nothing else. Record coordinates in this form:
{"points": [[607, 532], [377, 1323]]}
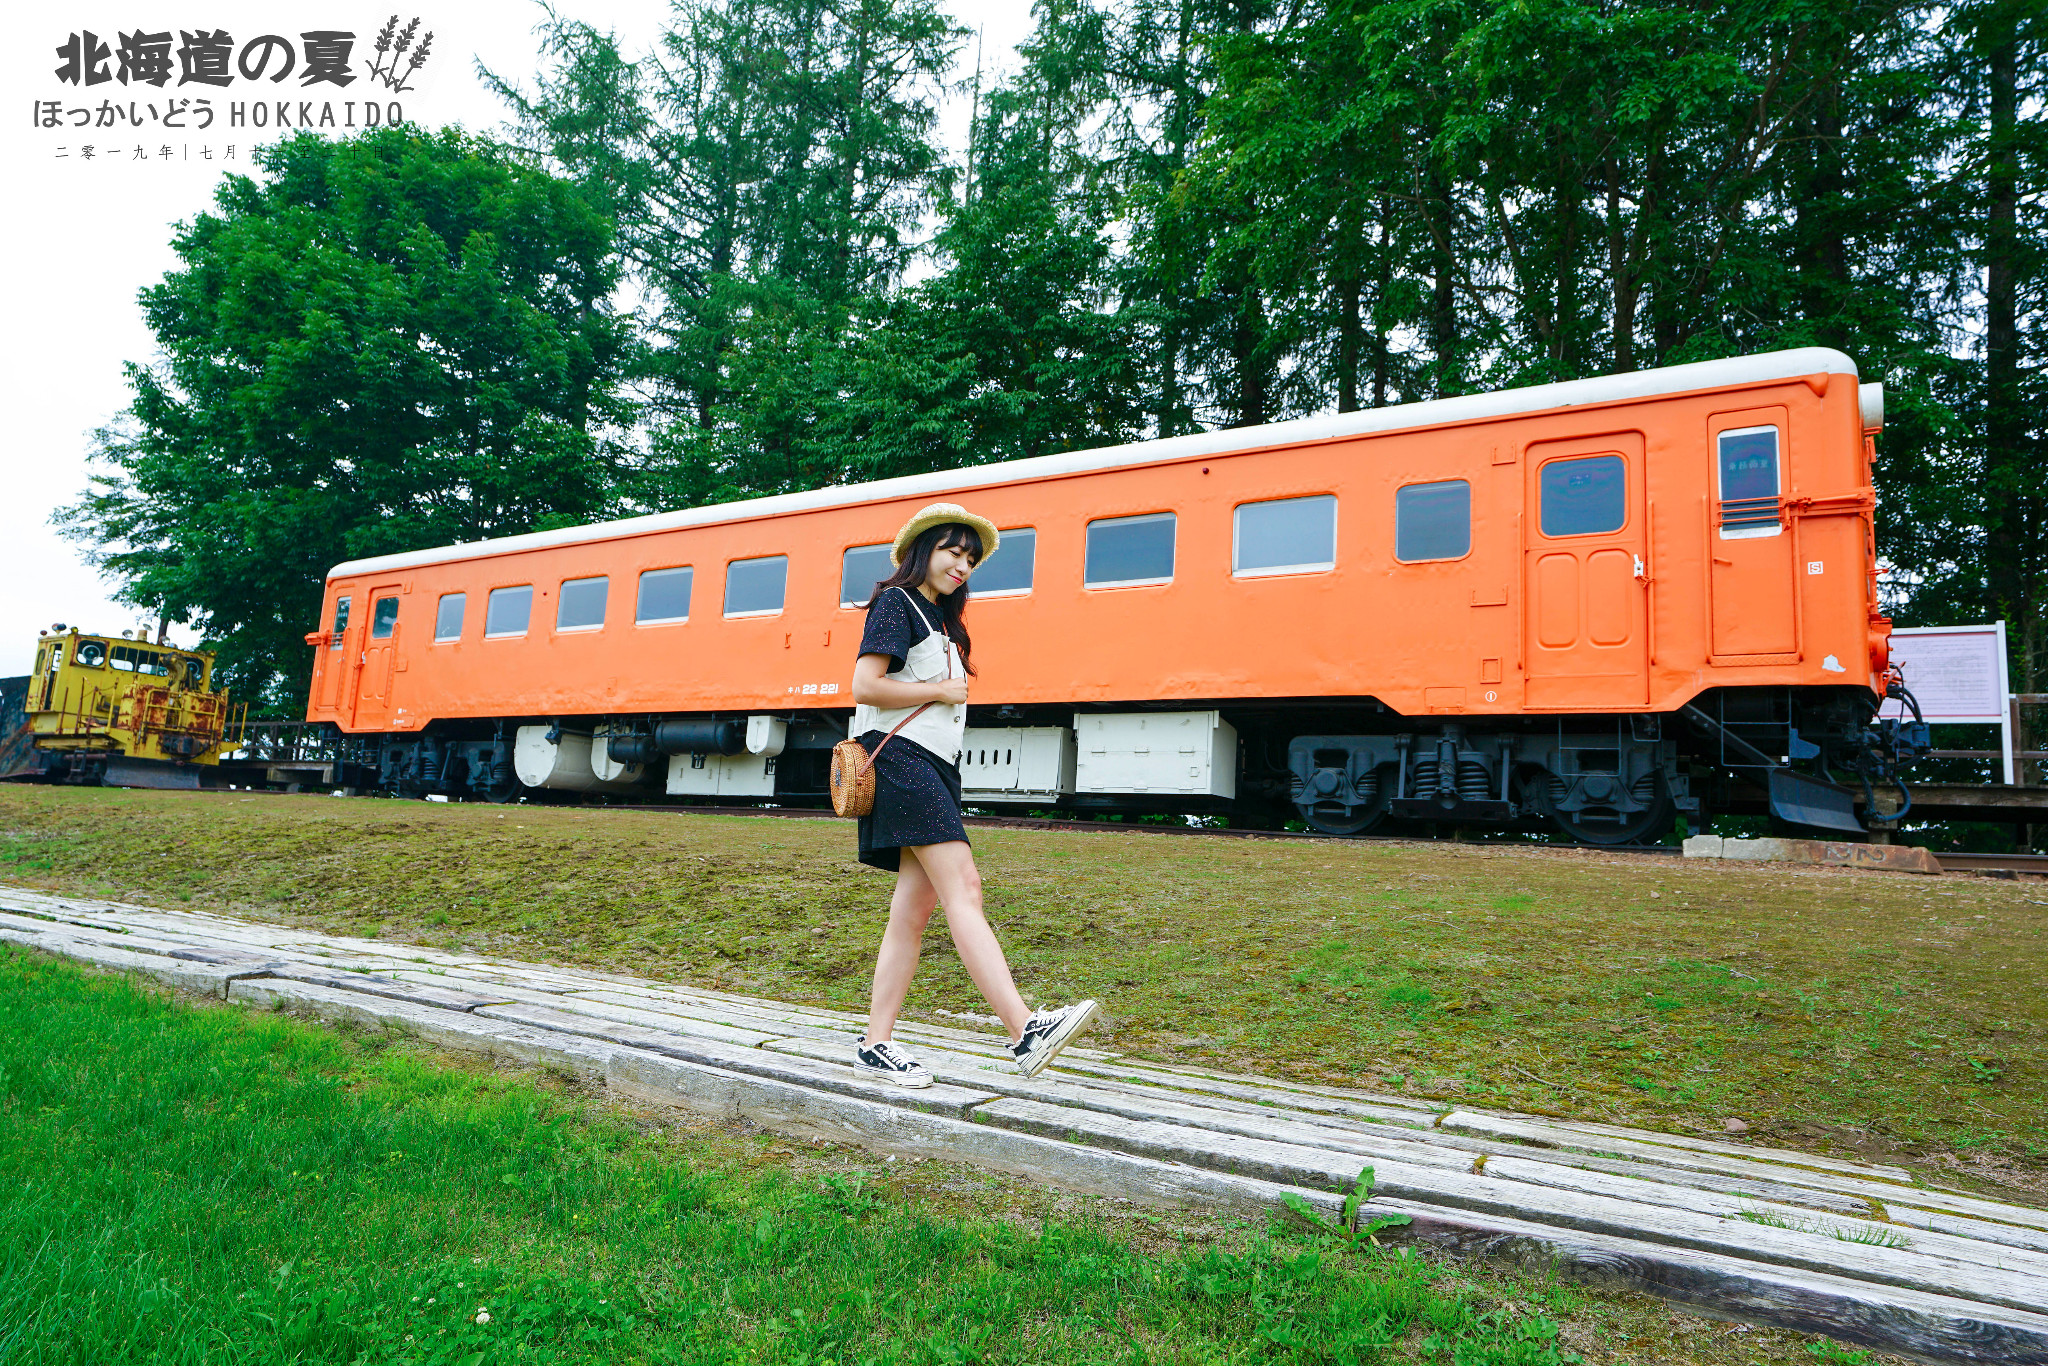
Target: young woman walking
{"points": [[912, 673]]}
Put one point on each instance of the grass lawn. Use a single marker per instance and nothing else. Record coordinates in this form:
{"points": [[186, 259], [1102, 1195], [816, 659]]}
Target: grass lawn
{"points": [[1898, 1017], [217, 1184]]}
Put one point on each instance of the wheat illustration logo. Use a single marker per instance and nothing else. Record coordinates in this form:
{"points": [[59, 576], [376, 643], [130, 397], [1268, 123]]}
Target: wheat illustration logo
{"points": [[391, 47]]}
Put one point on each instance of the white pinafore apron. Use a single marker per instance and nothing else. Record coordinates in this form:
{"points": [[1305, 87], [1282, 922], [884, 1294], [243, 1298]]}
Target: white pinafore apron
{"points": [[942, 727]]}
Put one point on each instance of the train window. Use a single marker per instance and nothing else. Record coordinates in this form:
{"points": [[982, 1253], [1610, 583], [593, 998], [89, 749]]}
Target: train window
{"points": [[1748, 460], [860, 569], [448, 616], [140, 661], [581, 606], [1583, 497], [756, 587], [1010, 569], [383, 618], [664, 596], [1433, 521], [1285, 536], [1130, 550], [340, 623], [507, 610]]}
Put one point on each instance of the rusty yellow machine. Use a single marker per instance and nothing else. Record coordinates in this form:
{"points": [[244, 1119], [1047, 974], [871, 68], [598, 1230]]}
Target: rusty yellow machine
{"points": [[119, 711]]}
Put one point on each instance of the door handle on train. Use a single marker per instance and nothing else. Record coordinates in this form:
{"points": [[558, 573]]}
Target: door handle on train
{"points": [[1641, 573]]}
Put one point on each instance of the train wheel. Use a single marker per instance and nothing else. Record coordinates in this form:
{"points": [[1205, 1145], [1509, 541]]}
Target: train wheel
{"points": [[1334, 818], [1320, 803], [1607, 826], [1335, 822]]}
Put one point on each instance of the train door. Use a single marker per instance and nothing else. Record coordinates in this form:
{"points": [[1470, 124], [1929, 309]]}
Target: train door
{"points": [[334, 676], [1585, 546], [379, 654], [1751, 582]]}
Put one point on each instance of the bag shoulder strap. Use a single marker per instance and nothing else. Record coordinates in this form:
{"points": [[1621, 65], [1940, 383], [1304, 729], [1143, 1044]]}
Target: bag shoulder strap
{"points": [[870, 763]]}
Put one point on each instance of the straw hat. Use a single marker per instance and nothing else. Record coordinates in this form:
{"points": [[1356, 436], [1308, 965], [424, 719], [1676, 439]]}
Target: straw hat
{"points": [[938, 514]]}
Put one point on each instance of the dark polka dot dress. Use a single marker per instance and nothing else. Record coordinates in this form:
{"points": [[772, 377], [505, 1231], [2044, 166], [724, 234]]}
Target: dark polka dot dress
{"points": [[917, 794]]}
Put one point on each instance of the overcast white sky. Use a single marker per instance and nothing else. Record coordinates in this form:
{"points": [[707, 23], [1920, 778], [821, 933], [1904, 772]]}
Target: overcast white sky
{"points": [[86, 235]]}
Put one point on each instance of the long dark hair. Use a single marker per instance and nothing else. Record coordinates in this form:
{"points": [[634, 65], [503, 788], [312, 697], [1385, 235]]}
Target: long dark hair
{"points": [[917, 562]]}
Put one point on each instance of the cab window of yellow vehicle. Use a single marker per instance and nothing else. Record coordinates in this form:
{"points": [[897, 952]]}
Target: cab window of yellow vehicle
{"points": [[131, 659]]}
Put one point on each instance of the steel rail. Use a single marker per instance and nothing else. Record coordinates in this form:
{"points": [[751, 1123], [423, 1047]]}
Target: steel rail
{"points": [[2032, 864], [2036, 864], [1952, 862], [1150, 828]]}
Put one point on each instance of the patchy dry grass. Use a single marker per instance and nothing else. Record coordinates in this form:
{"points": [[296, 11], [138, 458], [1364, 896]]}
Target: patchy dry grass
{"points": [[1896, 1017]]}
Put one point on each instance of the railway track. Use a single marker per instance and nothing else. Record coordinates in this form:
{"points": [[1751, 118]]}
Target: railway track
{"points": [[2036, 864], [1994, 864], [2007, 865], [1138, 828]]}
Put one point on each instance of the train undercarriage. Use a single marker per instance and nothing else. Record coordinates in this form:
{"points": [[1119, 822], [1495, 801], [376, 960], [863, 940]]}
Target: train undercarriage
{"points": [[1342, 768], [1611, 780]]}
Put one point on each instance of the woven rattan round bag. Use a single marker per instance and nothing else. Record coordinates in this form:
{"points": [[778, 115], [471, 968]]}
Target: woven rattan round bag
{"points": [[853, 770], [853, 779]]}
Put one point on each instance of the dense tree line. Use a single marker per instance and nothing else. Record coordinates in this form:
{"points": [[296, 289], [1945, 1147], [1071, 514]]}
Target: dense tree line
{"points": [[1174, 215], [387, 342]]}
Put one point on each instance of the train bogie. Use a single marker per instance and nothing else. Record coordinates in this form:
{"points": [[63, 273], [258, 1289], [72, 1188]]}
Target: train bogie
{"points": [[1605, 785]]}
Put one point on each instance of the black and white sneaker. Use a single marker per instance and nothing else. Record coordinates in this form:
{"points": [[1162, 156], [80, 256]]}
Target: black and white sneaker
{"points": [[1047, 1033], [885, 1061]]}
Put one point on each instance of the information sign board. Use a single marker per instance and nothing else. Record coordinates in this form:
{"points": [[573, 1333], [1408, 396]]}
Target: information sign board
{"points": [[1957, 673]]}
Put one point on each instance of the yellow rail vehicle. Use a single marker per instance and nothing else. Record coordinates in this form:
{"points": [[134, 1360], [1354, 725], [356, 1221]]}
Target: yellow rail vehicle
{"points": [[122, 711]]}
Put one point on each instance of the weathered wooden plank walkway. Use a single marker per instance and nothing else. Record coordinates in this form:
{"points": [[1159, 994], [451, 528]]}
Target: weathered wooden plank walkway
{"points": [[1864, 1252]]}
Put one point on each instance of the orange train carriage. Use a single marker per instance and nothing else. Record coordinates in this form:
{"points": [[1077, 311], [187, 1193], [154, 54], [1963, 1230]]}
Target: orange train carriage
{"points": [[1579, 604]]}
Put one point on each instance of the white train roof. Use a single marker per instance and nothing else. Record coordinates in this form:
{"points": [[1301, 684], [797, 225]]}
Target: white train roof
{"points": [[1639, 384]]}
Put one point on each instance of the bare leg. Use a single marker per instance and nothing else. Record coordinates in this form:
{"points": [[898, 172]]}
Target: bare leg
{"points": [[910, 909], [951, 871]]}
